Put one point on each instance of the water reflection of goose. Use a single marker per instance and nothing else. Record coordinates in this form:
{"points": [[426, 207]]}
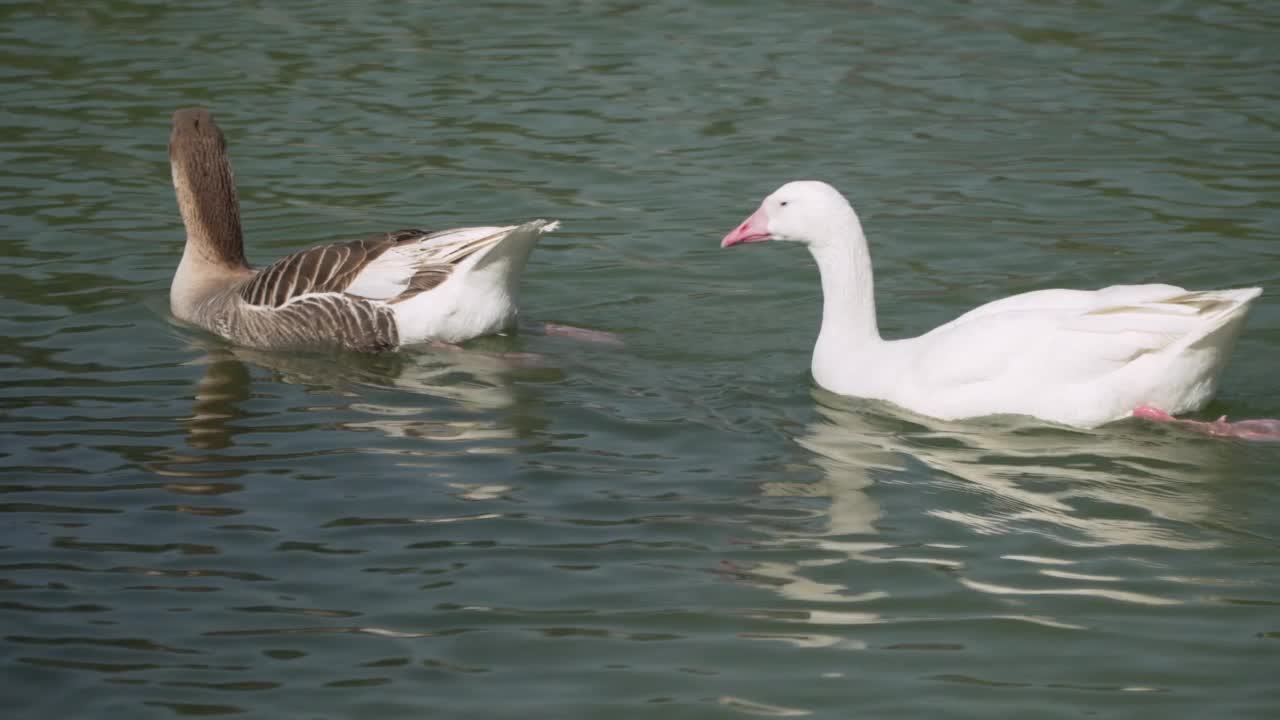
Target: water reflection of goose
{"points": [[1034, 477], [1080, 489], [218, 397], [469, 384]]}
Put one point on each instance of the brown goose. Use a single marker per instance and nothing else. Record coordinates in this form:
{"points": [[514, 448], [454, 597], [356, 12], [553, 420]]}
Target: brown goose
{"points": [[379, 293]]}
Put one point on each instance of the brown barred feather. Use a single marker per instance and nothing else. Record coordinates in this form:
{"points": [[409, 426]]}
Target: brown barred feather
{"points": [[322, 319], [322, 269], [424, 280]]}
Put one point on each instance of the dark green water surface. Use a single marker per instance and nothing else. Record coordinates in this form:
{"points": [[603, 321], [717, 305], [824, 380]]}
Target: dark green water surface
{"points": [[683, 527]]}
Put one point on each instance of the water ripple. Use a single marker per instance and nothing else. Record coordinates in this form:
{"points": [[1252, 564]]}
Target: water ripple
{"points": [[531, 526]]}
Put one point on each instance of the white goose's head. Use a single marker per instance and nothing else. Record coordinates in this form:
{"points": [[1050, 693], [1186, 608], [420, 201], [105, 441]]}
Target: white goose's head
{"points": [[805, 211]]}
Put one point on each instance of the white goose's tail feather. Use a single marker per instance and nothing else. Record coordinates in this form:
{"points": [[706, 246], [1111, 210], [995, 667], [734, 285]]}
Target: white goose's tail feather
{"points": [[513, 249], [1156, 345], [1223, 311], [1191, 365]]}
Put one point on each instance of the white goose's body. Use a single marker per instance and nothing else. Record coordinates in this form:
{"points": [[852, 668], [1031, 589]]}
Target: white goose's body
{"points": [[378, 293], [1080, 358]]}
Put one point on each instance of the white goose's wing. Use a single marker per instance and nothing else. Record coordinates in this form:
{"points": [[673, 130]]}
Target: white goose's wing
{"points": [[1054, 300], [1069, 336]]}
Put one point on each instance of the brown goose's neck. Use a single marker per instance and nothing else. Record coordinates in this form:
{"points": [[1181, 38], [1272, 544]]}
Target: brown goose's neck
{"points": [[206, 191], [213, 259]]}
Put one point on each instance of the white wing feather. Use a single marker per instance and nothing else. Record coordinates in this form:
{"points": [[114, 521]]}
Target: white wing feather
{"points": [[1070, 335], [388, 275]]}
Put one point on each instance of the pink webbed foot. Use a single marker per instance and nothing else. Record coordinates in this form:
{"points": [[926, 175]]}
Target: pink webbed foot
{"points": [[576, 333], [1261, 429]]}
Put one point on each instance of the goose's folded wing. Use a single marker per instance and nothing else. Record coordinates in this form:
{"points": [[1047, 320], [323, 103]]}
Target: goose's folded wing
{"points": [[1080, 300], [352, 322], [1123, 329], [320, 269], [1085, 337], [387, 266]]}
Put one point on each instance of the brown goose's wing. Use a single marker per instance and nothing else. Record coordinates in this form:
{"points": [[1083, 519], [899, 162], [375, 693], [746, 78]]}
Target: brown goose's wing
{"points": [[323, 318], [321, 269]]}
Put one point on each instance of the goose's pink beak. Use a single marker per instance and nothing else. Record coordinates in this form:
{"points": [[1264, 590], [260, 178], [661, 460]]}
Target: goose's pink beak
{"points": [[753, 229]]}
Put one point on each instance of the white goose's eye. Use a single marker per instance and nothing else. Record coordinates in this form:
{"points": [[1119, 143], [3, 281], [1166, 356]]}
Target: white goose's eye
{"points": [[783, 203]]}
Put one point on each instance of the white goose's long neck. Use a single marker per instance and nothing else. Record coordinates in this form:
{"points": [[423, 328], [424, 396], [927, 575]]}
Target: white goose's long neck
{"points": [[848, 293]]}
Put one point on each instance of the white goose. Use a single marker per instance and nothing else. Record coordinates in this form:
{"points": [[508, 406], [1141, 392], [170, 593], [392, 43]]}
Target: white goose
{"points": [[387, 290], [1075, 357]]}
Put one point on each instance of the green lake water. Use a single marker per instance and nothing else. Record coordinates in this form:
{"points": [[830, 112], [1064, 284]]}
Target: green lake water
{"points": [[683, 527]]}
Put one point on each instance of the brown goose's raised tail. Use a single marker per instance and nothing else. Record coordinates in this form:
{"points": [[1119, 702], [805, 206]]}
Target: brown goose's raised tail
{"points": [[387, 290]]}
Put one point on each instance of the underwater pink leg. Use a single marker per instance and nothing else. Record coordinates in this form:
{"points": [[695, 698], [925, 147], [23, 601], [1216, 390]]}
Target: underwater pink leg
{"points": [[524, 359], [577, 333], [1261, 429], [1146, 412]]}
